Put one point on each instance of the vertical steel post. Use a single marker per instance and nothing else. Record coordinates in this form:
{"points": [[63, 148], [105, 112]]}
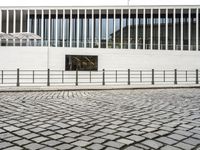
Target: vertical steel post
{"points": [[116, 76], [175, 76], [76, 77], [152, 79], [18, 77], [33, 76], [197, 76], [90, 76], [2, 76], [103, 80], [164, 75], [129, 80], [62, 76], [48, 77]]}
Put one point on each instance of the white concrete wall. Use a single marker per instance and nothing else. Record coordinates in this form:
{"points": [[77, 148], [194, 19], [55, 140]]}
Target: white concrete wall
{"points": [[36, 58]]}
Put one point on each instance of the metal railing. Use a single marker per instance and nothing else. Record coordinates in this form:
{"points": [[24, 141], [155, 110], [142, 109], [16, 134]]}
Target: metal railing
{"points": [[81, 43], [101, 77]]}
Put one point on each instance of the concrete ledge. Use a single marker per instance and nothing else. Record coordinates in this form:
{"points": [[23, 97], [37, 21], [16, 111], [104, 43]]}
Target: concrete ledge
{"points": [[91, 87]]}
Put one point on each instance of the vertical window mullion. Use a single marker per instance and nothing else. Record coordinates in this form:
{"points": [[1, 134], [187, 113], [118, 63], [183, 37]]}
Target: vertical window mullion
{"points": [[99, 28], [121, 28], [114, 28], [189, 30], [182, 29], [174, 29], [70, 28], [42, 28], [56, 29], [129, 27], [144, 28], [92, 44], [159, 28], [136, 28], [63, 33], [78, 20], [166, 30], [197, 29], [151, 29]]}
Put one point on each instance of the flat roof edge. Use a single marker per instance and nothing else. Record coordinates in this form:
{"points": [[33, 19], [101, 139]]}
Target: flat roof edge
{"points": [[101, 6]]}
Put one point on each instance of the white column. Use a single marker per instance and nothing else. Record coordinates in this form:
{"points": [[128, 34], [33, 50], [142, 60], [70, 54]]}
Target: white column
{"points": [[159, 29], [85, 30], [106, 28], [121, 28], [7, 21], [92, 29], [7, 25], [174, 29], [129, 27], [49, 29], [99, 28], [42, 27], [182, 29], [114, 28], [151, 29], [21, 21], [77, 40], [0, 22], [28, 26], [197, 29], [166, 31], [136, 31], [14, 20], [189, 30], [35, 28], [63, 33], [144, 27], [14, 24], [56, 28], [70, 28]]}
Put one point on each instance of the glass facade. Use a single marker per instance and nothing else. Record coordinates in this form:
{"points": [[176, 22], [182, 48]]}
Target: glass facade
{"points": [[120, 28]]}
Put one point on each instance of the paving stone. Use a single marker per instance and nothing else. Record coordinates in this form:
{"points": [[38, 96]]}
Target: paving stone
{"points": [[150, 135], [47, 148], [5, 145], [14, 148], [192, 141], [168, 147], [11, 128], [166, 140], [153, 144], [184, 146], [22, 142], [56, 136], [68, 140], [34, 146], [114, 144], [81, 143], [177, 137], [51, 143], [125, 141], [96, 147], [133, 148], [76, 129], [64, 147], [108, 131], [110, 137], [22, 132], [98, 140], [40, 139], [136, 138]]}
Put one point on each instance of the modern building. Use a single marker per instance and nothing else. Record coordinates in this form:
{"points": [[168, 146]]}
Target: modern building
{"points": [[102, 37]]}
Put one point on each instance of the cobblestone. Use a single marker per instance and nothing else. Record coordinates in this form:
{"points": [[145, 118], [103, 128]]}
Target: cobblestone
{"points": [[166, 119]]}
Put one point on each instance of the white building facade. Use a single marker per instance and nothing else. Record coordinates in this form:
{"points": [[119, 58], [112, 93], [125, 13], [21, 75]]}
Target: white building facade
{"points": [[95, 38]]}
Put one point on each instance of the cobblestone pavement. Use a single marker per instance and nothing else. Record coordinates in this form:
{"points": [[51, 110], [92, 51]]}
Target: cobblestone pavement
{"points": [[167, 119]]}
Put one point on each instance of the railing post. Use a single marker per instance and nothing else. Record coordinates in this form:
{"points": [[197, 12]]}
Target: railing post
{"points": [[2, 76], [18, 84], [116, 76], [197, 76], [76, 77], [103, 80], [164, 75], [48, 77], [62, 76], [175, 76], [90, 76], [33, 76], [152, 79], [129, 80]]}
